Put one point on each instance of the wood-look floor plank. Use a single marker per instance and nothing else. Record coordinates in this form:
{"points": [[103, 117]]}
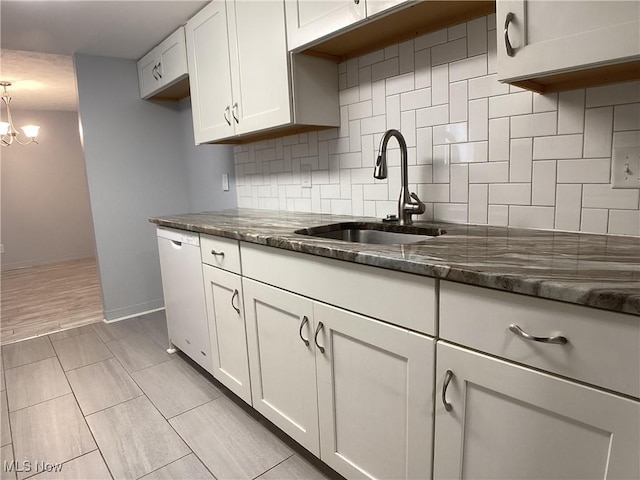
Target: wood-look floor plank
{"points": [[44, 299]]}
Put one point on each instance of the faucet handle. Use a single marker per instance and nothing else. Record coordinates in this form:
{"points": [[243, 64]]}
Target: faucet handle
{"points": [[419, 205]]}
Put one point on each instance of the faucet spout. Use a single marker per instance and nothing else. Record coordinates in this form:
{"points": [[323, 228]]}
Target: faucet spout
{"points": [[408, 203]]}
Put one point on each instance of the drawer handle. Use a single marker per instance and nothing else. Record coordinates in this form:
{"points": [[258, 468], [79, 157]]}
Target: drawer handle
{"points": [[305, 320], [235, 294], [220, 253], [315, 338], [559, 339], [447, 378], [507, 43], [234, 109], [226, 111]]}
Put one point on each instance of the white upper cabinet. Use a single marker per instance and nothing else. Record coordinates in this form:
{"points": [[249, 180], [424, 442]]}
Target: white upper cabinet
{"points": [[540, 40], [310, 20], [210, 73], [163, 66], [240, 74]]}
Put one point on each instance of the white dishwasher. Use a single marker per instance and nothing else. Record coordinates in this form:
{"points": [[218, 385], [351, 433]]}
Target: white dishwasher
{"points": [[183, 286]]}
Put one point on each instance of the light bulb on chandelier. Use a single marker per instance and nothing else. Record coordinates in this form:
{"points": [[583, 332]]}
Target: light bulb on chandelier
{"points": [[8, 132]]}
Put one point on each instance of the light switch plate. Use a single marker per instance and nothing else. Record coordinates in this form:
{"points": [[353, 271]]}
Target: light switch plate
{"points": [[225, 182], [625, 168], [305, 176]]}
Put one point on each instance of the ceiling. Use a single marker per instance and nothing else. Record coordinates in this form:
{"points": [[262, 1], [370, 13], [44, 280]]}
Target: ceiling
{"points": [[39, 37]]}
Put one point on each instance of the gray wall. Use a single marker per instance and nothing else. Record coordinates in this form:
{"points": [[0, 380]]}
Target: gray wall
{"points": [[141, 162], [46, 216], [205, 165]]}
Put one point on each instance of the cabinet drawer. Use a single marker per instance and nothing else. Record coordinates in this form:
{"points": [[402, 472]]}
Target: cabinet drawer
{"points": [[602, 348], [220, 252], [399, 298]]}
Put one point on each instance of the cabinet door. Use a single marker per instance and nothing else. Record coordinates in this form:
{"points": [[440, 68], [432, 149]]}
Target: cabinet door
{"points": [[282, 360], [209, 73], [147, 75], [508, 421], [375, 396], [173, 58], [375, 7], [309, 21], [554, 36], [223, 293], [184, 300], [259, 65]]}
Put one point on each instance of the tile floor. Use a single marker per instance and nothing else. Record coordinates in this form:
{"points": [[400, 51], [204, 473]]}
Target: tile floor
{"points": [[107, 401]]}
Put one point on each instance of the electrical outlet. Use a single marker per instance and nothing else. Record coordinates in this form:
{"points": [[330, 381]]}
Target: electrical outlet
{"points": [[625, 168], [225, 182], [305, 176]]}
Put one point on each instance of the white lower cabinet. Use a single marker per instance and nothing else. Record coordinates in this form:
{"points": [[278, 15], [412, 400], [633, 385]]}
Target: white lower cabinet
{"points": [[354, 391], [225, 311], [282, 360], [510, 422], [375, 396]]}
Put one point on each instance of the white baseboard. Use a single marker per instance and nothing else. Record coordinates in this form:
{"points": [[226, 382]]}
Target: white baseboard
{"points": [[119, 319]]}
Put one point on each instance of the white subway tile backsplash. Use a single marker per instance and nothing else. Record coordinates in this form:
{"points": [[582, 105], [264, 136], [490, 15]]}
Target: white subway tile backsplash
{"points": [[426, 117], [559, 146], [479, 119], [400, 84], [477, 36], [545, 103], [422, 62], [459, 184], [521, 156], [626, 117], [499, 139], [431, 39], [568, 207], [531, 217], [499, 215], [440, 85], [478, 150], [594, 220], [614, 94], [488, 86], [603, 196], [458, 102], [450, 133], [471, 152], [512, 104], [593, 170], [468, 68], [449, 52], [598, 132], [534, 125], [510, 193], [385, 69], [478, 203], [624, 222], [543, 188], [492, 172]]}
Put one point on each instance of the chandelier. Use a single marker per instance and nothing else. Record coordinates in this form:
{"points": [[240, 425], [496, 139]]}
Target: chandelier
{"points": [[8, 133]]}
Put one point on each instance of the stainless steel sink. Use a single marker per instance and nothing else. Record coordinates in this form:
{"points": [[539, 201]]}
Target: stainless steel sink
{"points": [[376, 233]]}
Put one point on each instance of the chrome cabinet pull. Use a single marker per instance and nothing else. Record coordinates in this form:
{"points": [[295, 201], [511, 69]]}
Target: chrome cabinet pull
{"points": [[507, 43], [158, 67], [226, 111], [315, 338], [154, 72], [234, 111], [447, 378], [235, 294], [357, 2], [558, 339], [220, 253], [305, 320]]}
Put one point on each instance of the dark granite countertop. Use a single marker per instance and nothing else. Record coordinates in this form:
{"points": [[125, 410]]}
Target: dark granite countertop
{"points": [[600, 271]]}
